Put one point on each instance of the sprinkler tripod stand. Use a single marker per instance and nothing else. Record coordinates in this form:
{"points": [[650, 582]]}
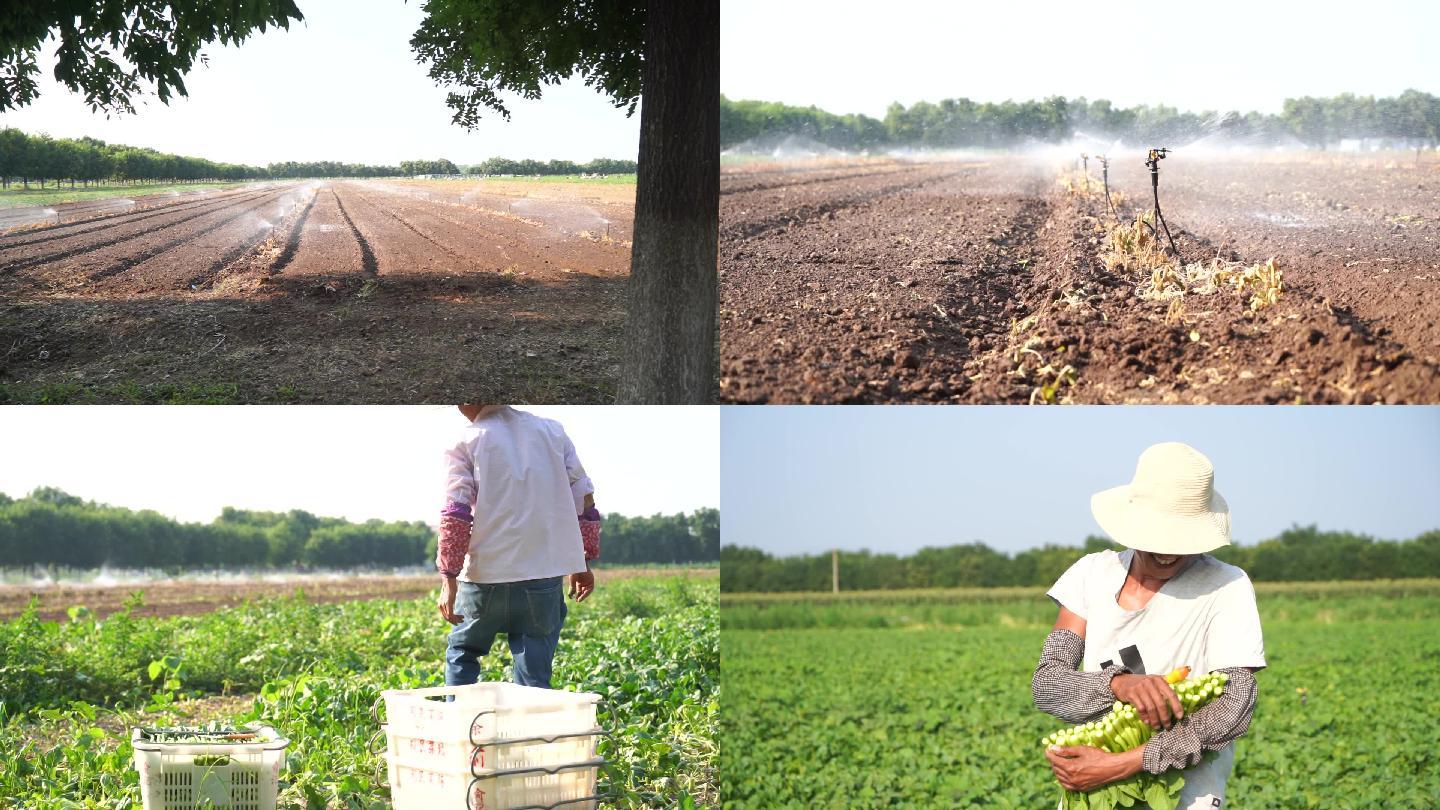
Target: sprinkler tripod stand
{"points": [[1153, 162], [1085, 167], [1105, 177]]}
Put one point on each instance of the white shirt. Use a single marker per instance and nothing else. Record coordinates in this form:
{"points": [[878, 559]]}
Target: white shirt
{"points": [[526, 485], [1204, 618]]}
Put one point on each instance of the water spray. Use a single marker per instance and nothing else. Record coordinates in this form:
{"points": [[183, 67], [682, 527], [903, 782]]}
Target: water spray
{"points": [[1105, 177], [1153, 162]]}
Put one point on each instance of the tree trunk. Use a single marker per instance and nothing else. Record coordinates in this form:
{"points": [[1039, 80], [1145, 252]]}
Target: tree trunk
{"points": [[670, 352]]}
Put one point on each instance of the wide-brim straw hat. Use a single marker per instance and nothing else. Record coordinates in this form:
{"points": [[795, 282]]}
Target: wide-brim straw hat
{"points": [[1169, 507]]}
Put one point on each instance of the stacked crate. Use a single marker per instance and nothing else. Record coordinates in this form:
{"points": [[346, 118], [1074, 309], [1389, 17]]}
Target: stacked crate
{"points": [[491, 746]]}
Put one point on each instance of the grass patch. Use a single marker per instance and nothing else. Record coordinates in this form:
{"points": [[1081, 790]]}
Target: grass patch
{"points": [[16, 197], [124, 392]]}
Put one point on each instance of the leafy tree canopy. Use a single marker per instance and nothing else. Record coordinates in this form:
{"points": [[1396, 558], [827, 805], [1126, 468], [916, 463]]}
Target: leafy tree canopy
{"points": [[487, 47], [107, 47]]}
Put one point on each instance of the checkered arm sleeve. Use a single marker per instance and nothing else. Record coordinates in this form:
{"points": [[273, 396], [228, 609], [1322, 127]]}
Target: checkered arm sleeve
{"points": [[1212, 726], [1060, 689]]}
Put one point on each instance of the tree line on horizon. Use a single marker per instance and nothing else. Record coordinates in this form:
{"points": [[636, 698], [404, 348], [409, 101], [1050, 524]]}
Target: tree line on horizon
{"points": [[42, 159], [52, 528], [1411, 119], [1300, 553]]}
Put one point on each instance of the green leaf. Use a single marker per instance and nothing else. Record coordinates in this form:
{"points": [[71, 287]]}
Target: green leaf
{"points": [[1159, 798]]}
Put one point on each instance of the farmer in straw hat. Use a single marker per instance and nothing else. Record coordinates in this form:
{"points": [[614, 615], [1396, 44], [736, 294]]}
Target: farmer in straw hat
{"points": [[1127, 618]]}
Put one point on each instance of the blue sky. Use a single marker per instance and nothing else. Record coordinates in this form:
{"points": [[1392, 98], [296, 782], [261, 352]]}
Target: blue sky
{"points": [[352, 461], [895, 478], [343, 85], [859, 56]]}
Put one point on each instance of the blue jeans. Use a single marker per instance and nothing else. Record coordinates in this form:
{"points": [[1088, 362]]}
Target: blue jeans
{"points": [[530, 613]]}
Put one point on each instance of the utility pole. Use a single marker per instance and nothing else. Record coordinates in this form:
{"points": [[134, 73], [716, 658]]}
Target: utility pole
{"points": [[835, 571]]}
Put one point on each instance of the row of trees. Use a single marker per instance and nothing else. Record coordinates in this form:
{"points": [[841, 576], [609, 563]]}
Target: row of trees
{"points": [[1297, 554], [42, 159], [87, 160], [50, 527], [291, 169], [411, 168], [1411, 119], [500, 165]]}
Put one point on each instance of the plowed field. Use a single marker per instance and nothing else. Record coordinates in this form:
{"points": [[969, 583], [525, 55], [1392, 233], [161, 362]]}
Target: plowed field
{"points": [[978, 281], [322, 291]]}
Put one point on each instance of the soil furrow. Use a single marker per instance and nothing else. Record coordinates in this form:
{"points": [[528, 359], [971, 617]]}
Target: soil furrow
{"points": [[460, 233], [128, 262], [234, 254], [795, 215], [91, 247], [735, 188], [292, 239], [369, 266], [104, 221], [989, 287]]}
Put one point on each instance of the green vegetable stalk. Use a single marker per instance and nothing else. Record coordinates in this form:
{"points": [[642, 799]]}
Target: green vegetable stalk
{"points": [[1122, 730]]}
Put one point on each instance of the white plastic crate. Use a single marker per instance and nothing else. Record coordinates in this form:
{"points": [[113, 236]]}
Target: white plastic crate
{"points": [[219, 775], [571, 787], [485, 712], [491, 755]]}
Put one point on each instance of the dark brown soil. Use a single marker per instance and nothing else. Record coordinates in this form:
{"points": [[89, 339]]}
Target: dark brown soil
{"points": [[334, 292], [979, 282], [180, 597]]}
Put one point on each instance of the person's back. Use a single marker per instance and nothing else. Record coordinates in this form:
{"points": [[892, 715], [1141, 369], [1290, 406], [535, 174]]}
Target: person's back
{"points": [[515, 467]]}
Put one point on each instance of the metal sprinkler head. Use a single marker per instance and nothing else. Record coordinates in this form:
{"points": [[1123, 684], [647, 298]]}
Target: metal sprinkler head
{"points": [[1157, 218]]}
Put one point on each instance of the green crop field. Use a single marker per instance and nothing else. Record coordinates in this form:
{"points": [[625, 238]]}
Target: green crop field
{"points": [[69, 691], [923, 699]]}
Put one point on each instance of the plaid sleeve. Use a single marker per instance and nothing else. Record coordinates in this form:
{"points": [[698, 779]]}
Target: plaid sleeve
{"points": [[1059, 688], [1212, 726]]}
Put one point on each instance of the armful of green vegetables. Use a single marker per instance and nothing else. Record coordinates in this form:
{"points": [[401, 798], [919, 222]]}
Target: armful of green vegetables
{"points": [[1121, 729]]}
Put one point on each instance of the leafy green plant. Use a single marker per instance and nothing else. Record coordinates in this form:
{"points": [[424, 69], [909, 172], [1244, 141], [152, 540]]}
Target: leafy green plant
{"points": [[313, 672], [922, 699]]}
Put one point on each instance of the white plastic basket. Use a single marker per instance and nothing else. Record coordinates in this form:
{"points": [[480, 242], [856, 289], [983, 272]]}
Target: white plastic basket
{"points": [[487, 712], [571, 787], [219, 775], [491, 755]]}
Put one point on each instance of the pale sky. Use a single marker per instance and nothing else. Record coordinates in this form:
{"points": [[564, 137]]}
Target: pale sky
{"points": [[357, 462], [858, 56], [342, 85], [898, 478]]}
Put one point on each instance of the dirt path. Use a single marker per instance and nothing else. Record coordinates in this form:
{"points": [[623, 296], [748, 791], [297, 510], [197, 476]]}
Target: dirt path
{"points": [[981, 283], [317, 292]]}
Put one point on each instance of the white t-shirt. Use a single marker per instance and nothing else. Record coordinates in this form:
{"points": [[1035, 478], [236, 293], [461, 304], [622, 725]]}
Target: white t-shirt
{"points": [[521, 474], [1204, 618]]}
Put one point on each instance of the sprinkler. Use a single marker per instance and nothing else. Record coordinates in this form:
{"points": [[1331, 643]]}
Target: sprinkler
{"points": [[1085, 165], [1153, 162], [1105, 177]]}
